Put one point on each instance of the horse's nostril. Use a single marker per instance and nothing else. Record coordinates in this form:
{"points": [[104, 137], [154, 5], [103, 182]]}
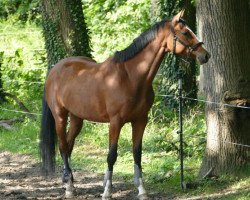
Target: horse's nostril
{"points": [[208, 56], [204, 58]]}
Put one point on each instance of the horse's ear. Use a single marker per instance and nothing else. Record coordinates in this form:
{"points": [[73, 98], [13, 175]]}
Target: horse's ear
{"points": [[177, 17]]}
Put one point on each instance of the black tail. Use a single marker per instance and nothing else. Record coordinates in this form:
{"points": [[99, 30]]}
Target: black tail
{"points": [[47, 139]]}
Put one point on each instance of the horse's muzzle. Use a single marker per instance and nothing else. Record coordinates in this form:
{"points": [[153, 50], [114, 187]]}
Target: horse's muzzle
{"points": [[203, 58]]}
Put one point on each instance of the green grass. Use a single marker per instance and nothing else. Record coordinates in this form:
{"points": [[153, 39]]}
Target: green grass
{"points": [[23, 136], [161, 166], [18, 141]]}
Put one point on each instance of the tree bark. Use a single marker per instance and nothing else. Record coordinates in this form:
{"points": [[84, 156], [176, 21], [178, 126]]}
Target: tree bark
{"points": [[225, 29], [65, 30]]}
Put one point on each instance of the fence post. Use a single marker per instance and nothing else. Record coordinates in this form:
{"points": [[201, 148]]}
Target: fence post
{"points": [[180, 131]]}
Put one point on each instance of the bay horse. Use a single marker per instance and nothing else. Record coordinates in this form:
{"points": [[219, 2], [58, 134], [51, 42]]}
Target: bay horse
{"points": [[117, 91]]}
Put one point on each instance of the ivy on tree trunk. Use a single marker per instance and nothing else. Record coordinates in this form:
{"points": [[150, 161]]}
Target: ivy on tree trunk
{"points": [[65, 30]]}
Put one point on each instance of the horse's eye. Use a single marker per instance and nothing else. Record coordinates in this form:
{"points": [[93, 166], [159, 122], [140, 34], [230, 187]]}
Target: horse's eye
{"points": [[186, 34]]}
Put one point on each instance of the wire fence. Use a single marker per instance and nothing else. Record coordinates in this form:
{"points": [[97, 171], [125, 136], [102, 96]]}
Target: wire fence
{"points": [[18, 111], [222, 141], [41, 82], [24, 49], [180, 97], [215, 103], [22, 81], [169, 96], [205, 101], [160, 95], [21, 33]]}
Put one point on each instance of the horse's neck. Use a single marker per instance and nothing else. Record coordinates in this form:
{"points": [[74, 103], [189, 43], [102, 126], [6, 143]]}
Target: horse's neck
{"points": [[143, 67]]}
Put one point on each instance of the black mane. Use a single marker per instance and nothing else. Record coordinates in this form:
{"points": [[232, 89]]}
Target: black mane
{"points": [[139, 43]]}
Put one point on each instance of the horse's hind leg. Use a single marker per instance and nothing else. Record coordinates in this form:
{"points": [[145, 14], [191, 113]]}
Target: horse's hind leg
{"points": [[138, 128], [114, 132], [74, 129], [61, 123]]}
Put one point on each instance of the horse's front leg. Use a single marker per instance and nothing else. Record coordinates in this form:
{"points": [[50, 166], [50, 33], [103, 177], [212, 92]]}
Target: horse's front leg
{"points": [[138, 128], [114, 132]]}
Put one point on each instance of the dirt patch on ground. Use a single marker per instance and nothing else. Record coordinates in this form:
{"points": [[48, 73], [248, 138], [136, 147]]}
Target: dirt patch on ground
{"points": [[20, 178]]}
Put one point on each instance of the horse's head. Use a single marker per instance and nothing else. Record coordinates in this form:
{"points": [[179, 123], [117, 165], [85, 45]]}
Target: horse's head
{"points": [[182, 41]]}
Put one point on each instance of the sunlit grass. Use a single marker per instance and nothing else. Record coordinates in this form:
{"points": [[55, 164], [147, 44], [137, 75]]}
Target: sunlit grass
{"points": [[161, 166], [22, 138]]}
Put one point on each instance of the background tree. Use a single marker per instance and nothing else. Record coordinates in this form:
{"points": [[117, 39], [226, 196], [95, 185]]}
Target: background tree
{"points": [[65, 30], [168, 83], [65, 34], [225, 28], [22, 10]]}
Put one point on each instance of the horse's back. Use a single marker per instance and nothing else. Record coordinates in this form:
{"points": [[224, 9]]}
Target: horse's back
{"points": [[68, 67], [79, 62]]}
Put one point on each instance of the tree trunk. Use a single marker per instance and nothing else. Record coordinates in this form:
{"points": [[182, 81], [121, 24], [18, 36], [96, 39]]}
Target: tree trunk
{"points": [[225, 28], [65, 30]]}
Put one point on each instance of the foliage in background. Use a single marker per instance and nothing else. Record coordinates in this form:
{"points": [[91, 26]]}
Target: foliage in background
{"points": [[172, 68], [20, 10], [23, 60], [114, 24], [22, 49]]}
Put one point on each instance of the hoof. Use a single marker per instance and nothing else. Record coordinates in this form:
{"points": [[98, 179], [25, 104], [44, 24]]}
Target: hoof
{"points": [[69, 194], [143, 197], [70, 191], [106, 197], [107, 194]]}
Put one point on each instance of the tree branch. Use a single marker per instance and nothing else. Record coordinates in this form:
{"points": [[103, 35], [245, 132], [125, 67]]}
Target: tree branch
{"points": [[7, 124], [209, 173], [20, 104]]}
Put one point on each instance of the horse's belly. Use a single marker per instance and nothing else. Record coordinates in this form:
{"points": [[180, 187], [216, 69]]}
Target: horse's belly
{"points": [[88, 109], [93, 115], [134, 111]]}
